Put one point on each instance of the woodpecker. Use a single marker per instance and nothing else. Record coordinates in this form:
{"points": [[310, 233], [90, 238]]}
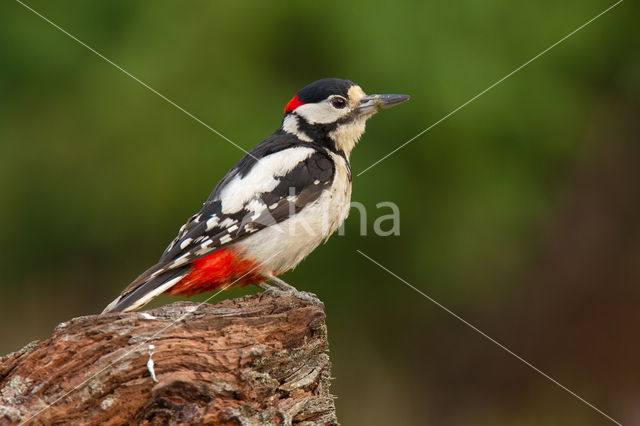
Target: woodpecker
{"points": [[275, 205]]}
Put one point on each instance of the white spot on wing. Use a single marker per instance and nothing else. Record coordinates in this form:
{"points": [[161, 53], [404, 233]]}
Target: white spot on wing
{"points": [[202, 250], [227, 222], [185, 243], [212, 222], [225, 239], [181, 260]]}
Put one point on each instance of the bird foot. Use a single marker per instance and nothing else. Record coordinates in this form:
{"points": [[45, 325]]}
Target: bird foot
{"points": [[290, 291]]}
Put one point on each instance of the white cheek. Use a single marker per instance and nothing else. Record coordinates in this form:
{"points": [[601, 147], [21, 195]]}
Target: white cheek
{"points": [[290, 125], [320, 113]]}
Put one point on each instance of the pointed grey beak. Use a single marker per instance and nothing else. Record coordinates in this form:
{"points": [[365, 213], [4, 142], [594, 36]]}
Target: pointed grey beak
{"points": [[374, 103]]}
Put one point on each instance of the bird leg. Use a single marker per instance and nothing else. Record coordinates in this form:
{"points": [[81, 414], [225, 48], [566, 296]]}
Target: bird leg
{"points": [[281, 284], [281, 289]]}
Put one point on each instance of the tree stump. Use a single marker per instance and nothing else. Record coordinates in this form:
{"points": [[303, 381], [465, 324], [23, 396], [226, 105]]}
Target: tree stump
{"points": [[244, 361]]}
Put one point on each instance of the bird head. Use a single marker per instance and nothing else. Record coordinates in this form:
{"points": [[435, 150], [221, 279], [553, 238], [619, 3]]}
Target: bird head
{"points": [[334, 111]]}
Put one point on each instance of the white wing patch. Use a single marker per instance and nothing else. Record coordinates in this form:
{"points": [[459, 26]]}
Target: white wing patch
{"points": [[263, 177]]}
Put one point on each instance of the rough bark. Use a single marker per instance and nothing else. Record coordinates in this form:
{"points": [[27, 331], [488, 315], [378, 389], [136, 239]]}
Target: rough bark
{"points": [[243, 361]]}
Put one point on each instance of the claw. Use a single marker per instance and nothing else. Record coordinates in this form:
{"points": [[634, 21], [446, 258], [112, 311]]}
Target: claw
{"points": [[286, 290]]}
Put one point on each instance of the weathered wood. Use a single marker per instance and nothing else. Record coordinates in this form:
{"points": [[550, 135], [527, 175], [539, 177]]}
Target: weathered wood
{"points": [[243, 361]]}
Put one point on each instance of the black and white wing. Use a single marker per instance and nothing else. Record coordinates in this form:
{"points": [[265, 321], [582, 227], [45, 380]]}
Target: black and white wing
{"points": [[253, 195]]}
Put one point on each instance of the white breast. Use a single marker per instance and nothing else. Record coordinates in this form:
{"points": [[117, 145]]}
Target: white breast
{"points": [[281, 247]]}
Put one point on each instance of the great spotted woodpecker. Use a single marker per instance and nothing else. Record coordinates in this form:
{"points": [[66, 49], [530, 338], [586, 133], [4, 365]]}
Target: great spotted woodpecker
{"points": [[275, 206]]}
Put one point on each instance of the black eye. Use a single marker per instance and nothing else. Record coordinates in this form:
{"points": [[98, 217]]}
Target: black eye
{"points": [[338, 102]]}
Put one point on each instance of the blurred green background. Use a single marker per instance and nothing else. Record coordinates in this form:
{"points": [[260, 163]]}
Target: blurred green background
{"points": [[521, 212]]}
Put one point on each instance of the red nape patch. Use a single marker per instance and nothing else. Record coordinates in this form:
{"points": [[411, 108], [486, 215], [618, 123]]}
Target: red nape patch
{"points": [[216, 270], [293, 104]]}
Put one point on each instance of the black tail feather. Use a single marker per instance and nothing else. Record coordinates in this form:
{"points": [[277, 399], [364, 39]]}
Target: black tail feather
{"points": [[146, 291]]}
